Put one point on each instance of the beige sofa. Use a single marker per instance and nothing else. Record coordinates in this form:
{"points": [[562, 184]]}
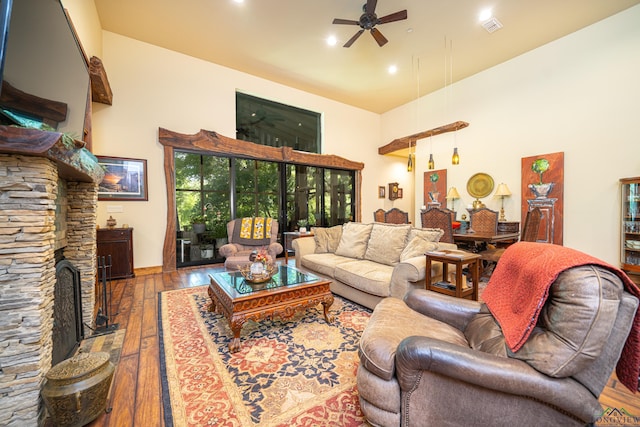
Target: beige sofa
{"points": [[369, 262]]}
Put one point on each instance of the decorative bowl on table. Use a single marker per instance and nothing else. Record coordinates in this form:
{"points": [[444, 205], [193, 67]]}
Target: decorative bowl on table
{"points": [[253, 275]]}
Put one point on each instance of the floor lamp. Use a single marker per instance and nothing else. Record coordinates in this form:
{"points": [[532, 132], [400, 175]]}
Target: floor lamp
{"points": [[502, 192]]}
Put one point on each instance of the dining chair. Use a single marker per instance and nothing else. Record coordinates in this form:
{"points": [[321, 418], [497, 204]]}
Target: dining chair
{"points": [[396, 216], [491, 256], [439, 218], [378, 215], [484, 221]]}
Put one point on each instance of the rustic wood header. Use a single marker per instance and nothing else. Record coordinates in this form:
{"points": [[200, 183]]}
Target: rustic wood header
{"points": [[213, 142], [403, 143]]}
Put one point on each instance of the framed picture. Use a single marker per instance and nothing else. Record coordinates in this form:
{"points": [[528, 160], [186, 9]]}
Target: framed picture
{"points": [[381, 192], [124, 179]]}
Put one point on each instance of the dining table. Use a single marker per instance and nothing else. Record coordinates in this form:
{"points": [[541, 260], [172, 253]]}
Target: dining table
{"points": [[477, 242]]}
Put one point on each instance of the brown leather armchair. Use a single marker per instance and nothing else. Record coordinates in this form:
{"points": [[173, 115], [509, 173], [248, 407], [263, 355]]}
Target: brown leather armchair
{"points": [[435, 360]]}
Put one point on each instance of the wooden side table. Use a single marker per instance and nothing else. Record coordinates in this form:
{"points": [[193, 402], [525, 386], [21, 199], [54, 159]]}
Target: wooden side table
{"points": [[459, 259], [290, 236]]}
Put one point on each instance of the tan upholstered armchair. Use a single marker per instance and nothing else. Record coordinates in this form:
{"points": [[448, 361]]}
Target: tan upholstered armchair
{"points": [[434, 360], [247, 235]]}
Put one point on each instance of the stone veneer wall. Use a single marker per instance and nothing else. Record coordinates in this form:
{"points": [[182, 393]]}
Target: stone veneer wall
{"points": [[28, 189], [82, 198]]}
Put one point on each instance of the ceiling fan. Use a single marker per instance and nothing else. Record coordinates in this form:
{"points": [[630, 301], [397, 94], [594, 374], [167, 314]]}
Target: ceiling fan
{"points": [[369, 20]]}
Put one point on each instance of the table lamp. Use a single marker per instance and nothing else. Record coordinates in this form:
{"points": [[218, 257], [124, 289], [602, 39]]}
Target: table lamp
{"points": [[502, 192], [453, 195]]}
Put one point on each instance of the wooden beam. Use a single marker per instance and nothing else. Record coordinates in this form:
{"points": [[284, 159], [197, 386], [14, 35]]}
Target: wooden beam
{"points": [[403, 143], [100, 87]]}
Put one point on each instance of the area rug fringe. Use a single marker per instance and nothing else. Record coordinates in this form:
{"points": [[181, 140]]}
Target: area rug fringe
{"points": [[287, 373]]}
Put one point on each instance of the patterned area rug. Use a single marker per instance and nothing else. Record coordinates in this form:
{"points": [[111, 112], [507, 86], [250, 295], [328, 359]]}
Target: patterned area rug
{"points": [[300, 372]]}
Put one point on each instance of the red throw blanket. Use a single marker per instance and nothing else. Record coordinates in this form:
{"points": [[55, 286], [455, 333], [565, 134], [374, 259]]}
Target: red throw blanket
{"points": [[519, 287]]}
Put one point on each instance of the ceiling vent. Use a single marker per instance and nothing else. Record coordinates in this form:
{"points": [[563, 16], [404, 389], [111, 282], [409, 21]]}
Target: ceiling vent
{"points": [[492, 25]]}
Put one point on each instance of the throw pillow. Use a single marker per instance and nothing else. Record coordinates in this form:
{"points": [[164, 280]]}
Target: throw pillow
{"points": [[354, 239], [428, 234], [327, 239], [386, 243], [417, 247]]}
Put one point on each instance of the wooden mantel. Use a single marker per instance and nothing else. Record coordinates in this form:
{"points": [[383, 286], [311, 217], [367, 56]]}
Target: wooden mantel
{"points": [[403, 143]]}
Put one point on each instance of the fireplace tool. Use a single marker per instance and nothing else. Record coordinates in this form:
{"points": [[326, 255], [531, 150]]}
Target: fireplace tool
{"points": [[103, 318]]}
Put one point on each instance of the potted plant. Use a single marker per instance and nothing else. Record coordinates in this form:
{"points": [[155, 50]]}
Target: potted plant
{"points": [[540, 189], [198, 223]]}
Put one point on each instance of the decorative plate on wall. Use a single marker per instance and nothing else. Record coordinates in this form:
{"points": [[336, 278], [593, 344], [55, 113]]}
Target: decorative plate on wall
{"points": [[480, 185]]}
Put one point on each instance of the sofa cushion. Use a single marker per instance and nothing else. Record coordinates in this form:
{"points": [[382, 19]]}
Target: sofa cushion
{"points": [[367, 276], [386, 243], [575, 322], [428, 234], [391, 322], [417, 247], [353, 242], [327, 239], [324, 264]]}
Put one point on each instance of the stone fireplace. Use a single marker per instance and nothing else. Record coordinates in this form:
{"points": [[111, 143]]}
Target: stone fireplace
{"points": [[32, 227]]}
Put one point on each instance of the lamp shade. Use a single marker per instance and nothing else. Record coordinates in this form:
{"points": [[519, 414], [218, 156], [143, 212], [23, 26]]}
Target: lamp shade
{"points": [[453, 194], [503, 190]]}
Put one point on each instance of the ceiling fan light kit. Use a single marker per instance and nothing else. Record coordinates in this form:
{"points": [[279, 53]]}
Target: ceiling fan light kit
{"points": [[368, 21]]}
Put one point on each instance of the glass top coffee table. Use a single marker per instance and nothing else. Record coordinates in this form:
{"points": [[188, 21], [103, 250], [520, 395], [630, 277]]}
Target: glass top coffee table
{"points": [[287, 292]]}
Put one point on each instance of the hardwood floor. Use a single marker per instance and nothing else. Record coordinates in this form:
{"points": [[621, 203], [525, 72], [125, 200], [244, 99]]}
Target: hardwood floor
{"points": [[136, 394]]}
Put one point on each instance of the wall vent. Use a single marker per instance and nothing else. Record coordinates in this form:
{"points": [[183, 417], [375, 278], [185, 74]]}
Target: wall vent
{"points": [[492, 25]]}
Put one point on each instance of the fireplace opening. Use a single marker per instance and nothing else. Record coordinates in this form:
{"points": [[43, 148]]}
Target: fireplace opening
{"points": [[67, 312]]}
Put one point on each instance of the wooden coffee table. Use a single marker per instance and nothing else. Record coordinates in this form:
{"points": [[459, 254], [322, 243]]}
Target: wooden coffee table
{"points": [[288, 292]]}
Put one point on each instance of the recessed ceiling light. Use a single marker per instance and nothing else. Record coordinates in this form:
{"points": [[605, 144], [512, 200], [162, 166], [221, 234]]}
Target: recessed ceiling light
{"points": [[392, 69], [332, 41], [484, 15], [238, 1]]}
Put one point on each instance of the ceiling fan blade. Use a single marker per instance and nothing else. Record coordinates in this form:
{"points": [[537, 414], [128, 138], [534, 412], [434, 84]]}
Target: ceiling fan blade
{"points": [[398, 16], [345, 21], [370, 7], [353, 39], [379, 37]]}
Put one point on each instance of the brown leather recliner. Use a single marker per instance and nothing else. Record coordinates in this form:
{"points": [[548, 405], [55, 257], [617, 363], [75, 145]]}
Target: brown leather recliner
{"points": [[434, 360]]}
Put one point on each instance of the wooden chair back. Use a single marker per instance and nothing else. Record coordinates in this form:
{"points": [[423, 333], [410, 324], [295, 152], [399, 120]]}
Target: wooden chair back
{"points": [[396, 216], [531, 225], [378, 215], [439, 218], [484, 221]]}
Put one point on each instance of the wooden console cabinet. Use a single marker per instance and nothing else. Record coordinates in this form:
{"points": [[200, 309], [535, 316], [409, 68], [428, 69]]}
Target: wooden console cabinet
{"points": [[117, 242]]}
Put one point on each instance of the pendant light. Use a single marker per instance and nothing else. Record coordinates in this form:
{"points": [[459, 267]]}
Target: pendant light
{"points": [[431, 165], [455, 158], [410, 161]]}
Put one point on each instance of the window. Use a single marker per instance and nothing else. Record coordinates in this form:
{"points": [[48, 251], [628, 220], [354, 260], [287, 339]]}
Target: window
{"points": [[277, 125], [213, 189]]}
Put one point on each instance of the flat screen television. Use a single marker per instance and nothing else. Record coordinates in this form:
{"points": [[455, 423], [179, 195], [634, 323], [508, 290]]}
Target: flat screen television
{"points": [[40, 55]]}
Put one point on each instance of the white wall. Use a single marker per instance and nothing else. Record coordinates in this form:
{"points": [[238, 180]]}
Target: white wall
{"points": [[578, 95], [155, 87]]}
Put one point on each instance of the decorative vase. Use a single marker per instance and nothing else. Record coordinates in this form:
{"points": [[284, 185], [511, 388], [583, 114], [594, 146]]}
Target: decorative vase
{"points": [[433, 195], [111, 222], [199, 228], [541, 191]]}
